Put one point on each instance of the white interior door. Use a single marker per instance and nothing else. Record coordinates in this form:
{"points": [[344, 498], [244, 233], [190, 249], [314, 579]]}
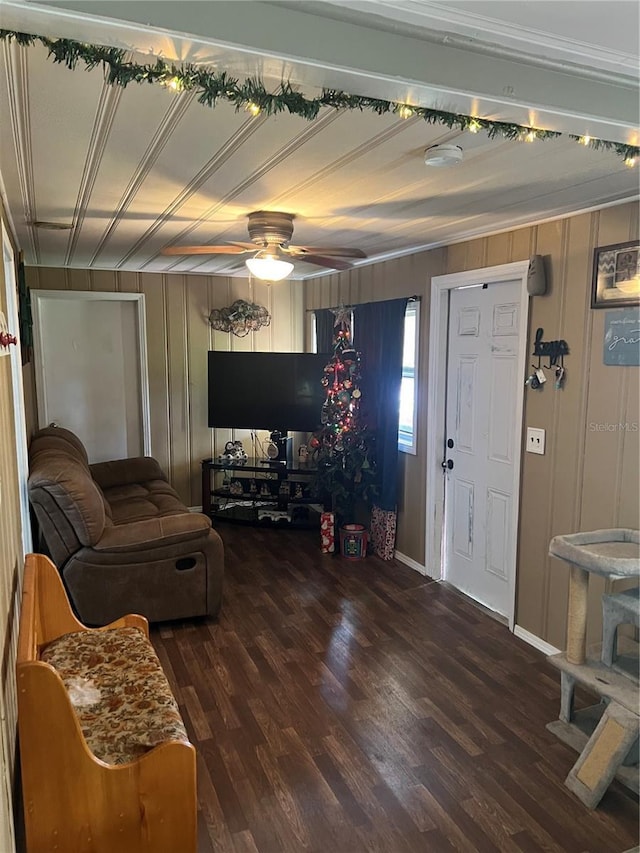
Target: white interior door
{"points": [[91, 370], [15, 354], [482, 385]]}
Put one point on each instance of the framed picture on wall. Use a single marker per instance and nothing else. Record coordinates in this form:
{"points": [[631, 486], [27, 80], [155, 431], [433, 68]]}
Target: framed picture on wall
{"points": [[616, 275], [622, 337]]}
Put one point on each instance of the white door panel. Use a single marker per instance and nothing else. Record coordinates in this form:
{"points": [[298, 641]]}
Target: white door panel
{"points": [[481, 392]]}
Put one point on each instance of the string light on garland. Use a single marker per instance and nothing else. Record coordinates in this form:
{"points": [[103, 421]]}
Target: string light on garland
{"points": [[173, 83], [405, 111], [212, 86]]}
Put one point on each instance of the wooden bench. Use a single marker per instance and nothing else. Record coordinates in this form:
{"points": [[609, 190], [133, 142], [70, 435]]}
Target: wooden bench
{"points": [[106, 762]]}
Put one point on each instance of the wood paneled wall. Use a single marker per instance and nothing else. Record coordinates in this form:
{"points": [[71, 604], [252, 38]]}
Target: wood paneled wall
{"points": [[589, 477], [178, 339], [11, 568]]}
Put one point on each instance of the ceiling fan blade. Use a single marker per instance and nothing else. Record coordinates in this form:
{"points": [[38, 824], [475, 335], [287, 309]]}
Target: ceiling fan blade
{"points": [[202, 250], [249, 247], [334, 251], [323, 261]]}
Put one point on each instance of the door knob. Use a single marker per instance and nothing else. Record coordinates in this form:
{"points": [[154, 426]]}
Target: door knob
{"points": [[448, 463]]}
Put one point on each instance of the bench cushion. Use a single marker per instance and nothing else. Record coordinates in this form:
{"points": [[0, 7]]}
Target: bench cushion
{"points": [[118, 690]]}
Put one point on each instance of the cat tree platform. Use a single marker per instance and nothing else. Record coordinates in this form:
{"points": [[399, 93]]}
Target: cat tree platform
{"points": [[605, 735]]}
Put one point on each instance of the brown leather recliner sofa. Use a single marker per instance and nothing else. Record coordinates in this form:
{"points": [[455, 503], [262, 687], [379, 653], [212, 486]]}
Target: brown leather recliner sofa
{"points": [[120, 536]]}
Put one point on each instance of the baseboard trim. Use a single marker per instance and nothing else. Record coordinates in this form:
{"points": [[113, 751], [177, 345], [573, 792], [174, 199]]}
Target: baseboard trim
{"points": [[413, 564], [195, 509], [536, 642]]}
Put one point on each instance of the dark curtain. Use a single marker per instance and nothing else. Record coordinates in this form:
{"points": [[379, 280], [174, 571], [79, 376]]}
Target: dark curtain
{"points": [[25, 317], [325, 319], [378, 337]]}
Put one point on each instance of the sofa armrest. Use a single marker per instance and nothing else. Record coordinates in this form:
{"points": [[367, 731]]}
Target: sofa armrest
{"points": [[153, 532], [123, 472]]}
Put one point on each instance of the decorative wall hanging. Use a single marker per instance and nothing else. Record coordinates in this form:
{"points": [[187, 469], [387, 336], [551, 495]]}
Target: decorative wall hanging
{"points": [[6, 338], [616, 275], [553, 350], [252, 96], [240, 318], [622, 337]]}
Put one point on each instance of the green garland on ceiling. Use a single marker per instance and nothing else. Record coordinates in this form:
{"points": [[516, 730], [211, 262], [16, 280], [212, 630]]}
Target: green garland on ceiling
{"points": [[251, 94]]}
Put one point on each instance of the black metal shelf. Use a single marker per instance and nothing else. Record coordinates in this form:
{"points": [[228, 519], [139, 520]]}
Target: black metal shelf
{"points": [[248, 496], [248, 507], [248, 514]]}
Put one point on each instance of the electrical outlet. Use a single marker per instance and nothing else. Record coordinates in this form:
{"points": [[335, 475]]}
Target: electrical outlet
{"points": [[535, 440]]}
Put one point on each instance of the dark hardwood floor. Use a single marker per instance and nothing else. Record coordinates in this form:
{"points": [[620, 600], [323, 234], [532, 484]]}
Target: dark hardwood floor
{"points": [[342, 706]]}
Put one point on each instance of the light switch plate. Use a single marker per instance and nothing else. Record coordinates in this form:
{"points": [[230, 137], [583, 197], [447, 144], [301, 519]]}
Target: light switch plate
{"points": [[535, 440]]}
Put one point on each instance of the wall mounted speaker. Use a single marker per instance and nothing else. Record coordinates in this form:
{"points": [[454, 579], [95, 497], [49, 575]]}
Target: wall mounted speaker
{"points": [[536, 277]]}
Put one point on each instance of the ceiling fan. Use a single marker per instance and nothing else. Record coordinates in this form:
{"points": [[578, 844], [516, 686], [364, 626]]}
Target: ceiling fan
{"points": [[271, 252]]}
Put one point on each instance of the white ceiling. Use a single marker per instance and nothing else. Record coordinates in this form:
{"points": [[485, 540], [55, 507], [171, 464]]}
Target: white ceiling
{"points": [[139, 169]]}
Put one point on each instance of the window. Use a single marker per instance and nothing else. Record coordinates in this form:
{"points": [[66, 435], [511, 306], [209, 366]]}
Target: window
{"points": [[409, 386]]}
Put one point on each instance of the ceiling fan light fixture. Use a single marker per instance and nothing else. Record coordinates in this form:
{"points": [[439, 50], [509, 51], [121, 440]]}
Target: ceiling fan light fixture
{"points": [[268, 267], [443, 155]]}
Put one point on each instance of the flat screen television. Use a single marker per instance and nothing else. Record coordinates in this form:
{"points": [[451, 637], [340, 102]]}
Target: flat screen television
{"points": [[266, 390]]}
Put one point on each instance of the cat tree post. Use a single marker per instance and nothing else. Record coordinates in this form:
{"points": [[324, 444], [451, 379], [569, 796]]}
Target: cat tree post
{"points": [[577, 615]]}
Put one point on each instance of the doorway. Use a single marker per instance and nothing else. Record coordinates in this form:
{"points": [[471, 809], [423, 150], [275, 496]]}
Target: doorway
{"points": [[91, 369], [472, 517], [19, 419]]}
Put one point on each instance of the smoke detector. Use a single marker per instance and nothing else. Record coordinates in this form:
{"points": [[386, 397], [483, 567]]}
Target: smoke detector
{"points": [[443, 155]]}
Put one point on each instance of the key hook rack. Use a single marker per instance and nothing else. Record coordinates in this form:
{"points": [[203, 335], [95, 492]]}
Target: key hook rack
{"points": [[554, 352]]}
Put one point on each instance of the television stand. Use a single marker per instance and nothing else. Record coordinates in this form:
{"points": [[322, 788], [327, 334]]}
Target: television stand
{"points": [[262, 492]]}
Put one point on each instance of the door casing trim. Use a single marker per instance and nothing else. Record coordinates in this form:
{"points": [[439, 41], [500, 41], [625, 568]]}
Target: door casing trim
{"points": [[436, 401]]}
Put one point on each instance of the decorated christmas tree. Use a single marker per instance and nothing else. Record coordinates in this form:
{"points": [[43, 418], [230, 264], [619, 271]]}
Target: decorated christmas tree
{"points": [[342, 447]]}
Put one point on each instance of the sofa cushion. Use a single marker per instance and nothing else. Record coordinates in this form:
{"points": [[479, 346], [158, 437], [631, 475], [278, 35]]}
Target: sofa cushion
{"points": [[139, 501], [118, 472], [151, 533], [61, 440], [68, 482], [118, 690]]}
